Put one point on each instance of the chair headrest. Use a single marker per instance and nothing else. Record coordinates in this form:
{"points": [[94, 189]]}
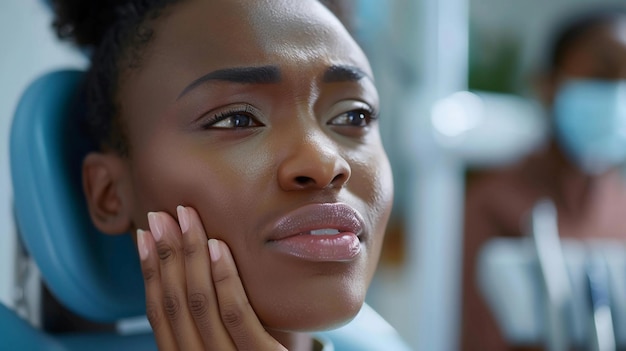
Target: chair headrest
{"points": [[96, 276]]}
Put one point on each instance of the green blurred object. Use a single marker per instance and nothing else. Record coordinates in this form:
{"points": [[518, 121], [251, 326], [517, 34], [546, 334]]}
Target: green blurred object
{"points": [[493, 61]]}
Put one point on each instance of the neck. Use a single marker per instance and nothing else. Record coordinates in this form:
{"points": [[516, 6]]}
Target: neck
{"points": [[572, 188], [293, 341]]}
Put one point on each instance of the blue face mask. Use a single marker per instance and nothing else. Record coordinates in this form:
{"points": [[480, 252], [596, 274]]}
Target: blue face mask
{"points": [[590, 122]]}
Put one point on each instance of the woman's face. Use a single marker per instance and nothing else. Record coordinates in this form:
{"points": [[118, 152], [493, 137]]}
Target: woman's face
{"points": [[261, 116]]}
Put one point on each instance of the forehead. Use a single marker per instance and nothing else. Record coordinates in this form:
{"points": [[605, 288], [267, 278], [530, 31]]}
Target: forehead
{"points": [[606, 34], [600, 51], [214, 34]]}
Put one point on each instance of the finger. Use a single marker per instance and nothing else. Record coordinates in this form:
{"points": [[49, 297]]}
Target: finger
{"points": [[152, 281], [200, 291], [237, 314], [169, 248]]}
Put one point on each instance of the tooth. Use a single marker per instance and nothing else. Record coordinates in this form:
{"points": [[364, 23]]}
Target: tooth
{"points": [[324, 232]]}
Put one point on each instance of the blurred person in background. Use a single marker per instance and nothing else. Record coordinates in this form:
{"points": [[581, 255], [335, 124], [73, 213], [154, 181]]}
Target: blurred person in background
{"points": [[583, 88]]}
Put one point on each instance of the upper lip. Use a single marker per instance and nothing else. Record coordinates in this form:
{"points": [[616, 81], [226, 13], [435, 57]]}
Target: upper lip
{"points": [[317, 216]]}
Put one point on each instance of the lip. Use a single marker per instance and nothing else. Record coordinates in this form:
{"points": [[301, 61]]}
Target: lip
{"points": [[290, 233]]}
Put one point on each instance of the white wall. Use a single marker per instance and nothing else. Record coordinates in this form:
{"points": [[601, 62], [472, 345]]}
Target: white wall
{"points": [[28, 48]]}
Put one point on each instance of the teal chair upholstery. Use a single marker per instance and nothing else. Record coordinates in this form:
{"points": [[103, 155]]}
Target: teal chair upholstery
{"points": [[95, 276]]}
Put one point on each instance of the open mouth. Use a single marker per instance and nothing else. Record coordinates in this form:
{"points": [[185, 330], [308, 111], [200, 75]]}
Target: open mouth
{"points": [[328, 232]]}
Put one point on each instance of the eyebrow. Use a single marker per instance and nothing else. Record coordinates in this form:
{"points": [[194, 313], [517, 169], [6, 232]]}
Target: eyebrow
{"points": [[272, 74], [244, 75], [343, 73]]}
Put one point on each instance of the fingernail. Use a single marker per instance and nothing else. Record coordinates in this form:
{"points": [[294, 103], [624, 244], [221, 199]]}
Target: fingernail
{"points": [[214, 250], [183, 218], [156, 225], [141, 244]]}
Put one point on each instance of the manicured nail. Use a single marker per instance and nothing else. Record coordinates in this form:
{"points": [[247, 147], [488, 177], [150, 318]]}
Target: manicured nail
{"points": [[214, 250], [141, 244], [183, 218], [156, 225]]}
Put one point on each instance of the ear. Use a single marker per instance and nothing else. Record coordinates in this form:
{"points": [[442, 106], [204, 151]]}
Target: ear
{"points": [[107, 188]]}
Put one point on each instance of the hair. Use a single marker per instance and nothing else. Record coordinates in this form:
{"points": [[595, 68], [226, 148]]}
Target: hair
{"points": [[116, 33], [575, 28]]}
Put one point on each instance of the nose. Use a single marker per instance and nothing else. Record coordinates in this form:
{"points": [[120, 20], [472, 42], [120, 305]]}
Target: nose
{"points": [[313, 164]]}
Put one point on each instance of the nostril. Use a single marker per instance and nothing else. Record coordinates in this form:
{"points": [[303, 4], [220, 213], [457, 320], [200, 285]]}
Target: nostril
{"points": [[339, 179], [303, 180]]}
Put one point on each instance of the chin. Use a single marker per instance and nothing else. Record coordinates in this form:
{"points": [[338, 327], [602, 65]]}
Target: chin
{"points": [[329, 310], [314, 317]]}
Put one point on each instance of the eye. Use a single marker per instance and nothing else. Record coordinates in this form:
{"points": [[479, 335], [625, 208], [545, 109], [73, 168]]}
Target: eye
{"points": [[232, 120], [354, 118]]}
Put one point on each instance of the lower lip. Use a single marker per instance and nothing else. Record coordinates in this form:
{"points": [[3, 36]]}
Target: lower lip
{"points": [[340, 247]]}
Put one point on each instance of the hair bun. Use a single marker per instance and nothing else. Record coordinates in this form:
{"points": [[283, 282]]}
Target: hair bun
{"points": [[85, 21]]}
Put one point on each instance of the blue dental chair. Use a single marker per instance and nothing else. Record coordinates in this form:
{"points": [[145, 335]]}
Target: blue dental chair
{"points": [[94, 276]]}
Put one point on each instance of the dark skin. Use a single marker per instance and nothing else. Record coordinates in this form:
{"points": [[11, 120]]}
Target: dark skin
{"points": [[241, 148], [588, 206]]}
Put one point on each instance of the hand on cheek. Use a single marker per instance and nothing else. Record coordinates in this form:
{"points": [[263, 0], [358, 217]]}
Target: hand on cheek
{"points": [[194, 297]]}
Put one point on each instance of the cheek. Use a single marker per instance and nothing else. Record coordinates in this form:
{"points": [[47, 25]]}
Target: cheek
{"points": [[372, 182], [217, 184]]}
